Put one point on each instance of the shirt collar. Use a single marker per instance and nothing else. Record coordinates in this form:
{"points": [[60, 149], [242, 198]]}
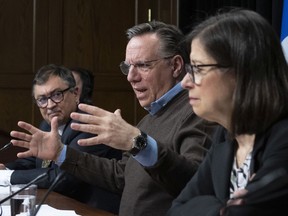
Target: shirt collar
{"points": [[61, 129], [162, 101]]}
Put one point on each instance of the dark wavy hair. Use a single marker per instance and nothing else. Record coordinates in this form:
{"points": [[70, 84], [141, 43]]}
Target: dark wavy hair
{"points": [[46, 71], [247, 43]]}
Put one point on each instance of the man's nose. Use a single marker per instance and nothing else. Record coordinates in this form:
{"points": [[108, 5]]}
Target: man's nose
{"points": [[50, 103], [133, 74]]}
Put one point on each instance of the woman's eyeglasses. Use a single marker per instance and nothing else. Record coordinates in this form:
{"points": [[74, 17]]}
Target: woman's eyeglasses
{"points": [[196, 72]]}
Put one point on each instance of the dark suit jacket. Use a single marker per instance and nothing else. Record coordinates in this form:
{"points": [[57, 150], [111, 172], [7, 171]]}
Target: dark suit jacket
{"points": [[208, 190], [29, 168]]}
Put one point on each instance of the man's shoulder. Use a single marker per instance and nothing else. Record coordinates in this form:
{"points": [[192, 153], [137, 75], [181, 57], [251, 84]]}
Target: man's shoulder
{"points": [[180, 99]]}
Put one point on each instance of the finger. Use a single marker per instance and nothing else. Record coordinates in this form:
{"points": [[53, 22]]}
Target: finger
{"points": [[89, 141], [117, 112], [252, 176], [21, 135], [85, 118], [27, 127], [93, 110], [235, 202], [239, 194], [20, 143], [87, 128], [54, 125], [24, 154]]}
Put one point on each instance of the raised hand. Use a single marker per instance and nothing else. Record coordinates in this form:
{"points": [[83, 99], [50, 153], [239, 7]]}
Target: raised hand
{"points": [[110, 128], [44, 145]]}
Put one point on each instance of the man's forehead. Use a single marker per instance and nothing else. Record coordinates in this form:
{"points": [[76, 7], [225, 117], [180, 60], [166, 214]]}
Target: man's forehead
{"points": [[49, 86], [141, 51]]}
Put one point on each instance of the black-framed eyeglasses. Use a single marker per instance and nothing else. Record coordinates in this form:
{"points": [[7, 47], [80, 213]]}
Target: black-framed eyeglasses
{"points": [[196, 73], [56, 97], [143, 66]]}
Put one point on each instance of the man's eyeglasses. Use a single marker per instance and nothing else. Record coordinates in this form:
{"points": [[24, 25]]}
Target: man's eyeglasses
{"points": [[196, 72], [56, 97], [141, 66]]}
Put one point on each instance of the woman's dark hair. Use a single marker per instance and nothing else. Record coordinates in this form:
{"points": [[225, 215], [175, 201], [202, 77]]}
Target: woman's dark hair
{"points": [[246, 42]]}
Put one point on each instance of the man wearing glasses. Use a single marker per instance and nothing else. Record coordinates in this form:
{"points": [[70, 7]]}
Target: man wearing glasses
{"points": [[154, 66], [55, 93]]}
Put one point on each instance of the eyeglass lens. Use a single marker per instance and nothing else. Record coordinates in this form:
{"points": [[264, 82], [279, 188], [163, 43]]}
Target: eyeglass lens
{"points": [[56, 97]]}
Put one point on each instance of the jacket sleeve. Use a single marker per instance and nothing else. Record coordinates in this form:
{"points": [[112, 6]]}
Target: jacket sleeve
{"points": [[89, 167], [198, 196], [69, 183], [22, 163], [175, 167]]}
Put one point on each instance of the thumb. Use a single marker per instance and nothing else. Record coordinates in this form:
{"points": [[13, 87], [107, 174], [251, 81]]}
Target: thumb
{"points": [[54, 125], [117, 112]]}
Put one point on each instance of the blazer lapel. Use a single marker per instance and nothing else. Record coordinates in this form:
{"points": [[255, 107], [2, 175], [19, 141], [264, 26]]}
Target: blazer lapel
{"points": [[221, 171]]}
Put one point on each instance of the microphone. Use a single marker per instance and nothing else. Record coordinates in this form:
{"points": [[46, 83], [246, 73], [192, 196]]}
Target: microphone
{"points": [[40, 177], [8, 145], [52, 186]]}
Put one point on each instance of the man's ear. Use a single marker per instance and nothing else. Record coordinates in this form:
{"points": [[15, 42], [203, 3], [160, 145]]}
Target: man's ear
{"points": [[177, 65], [77, 93], [76, 90]]}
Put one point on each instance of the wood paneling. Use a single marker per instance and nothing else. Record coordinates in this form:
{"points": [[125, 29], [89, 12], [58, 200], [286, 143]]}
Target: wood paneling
{"points": [[16, 36], [161, 10], [16, 24], [84, 33]]}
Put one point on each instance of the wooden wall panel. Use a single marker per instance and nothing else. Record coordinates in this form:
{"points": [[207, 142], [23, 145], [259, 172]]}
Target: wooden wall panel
{"points": [[160, 10], [16, 36], [16, 24], [16, 104], [94, 38], [85, 33]]}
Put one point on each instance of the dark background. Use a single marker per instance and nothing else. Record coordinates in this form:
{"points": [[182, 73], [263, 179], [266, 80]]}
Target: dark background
{"points": [[192, 11], [90, 34]]}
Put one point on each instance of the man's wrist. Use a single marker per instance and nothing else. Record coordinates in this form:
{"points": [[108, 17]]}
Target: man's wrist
{"points": [[139, 143]]}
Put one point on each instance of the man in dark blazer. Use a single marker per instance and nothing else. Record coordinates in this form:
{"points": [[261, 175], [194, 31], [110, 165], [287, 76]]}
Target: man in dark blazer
{"points": [[55, 94]]}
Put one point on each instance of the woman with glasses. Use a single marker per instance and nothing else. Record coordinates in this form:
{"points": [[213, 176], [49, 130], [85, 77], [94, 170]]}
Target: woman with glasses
{"points": [[238, 77]]}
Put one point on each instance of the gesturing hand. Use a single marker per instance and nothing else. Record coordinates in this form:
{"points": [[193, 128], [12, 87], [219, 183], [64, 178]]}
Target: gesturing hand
{"points": [[111, 129], [44, 145]]}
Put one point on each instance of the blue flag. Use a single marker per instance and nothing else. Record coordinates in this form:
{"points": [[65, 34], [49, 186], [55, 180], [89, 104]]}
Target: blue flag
{"points": [[284, 29]]}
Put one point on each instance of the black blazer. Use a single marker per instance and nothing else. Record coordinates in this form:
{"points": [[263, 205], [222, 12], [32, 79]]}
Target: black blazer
{"points": [[26, 169], [208, 191]]}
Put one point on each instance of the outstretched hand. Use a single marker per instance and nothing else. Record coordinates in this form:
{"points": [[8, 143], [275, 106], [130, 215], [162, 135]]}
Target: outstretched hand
{"points": [[44, 145], [110, 128]]}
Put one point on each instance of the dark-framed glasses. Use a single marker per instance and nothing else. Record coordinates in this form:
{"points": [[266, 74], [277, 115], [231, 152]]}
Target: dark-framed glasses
{"points": [[142, 66], [56, 97], [196, 72]]}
